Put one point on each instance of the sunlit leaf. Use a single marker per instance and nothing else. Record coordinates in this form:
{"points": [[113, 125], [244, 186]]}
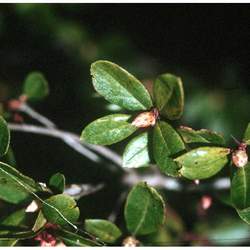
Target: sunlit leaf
{"points": [[144, 210], [108, 130], [4, 137], [103, 229], [202, 162], [136, 152], [166, 143], [61, 209], [35, 86], [119, 87]]}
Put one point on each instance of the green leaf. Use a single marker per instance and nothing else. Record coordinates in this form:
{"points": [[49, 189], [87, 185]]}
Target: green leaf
{"points": [[35, 86], [169, 94], [202, 162], [72, 239], [119, 87], [136, 152], [144, 210], [57, 183], [190, 135], [240, 187], [14, 186], [166, 143], [246, 138], [4, 137], [108, 130], [39, 222], [61, 209], [244, 214], [103, 229]]}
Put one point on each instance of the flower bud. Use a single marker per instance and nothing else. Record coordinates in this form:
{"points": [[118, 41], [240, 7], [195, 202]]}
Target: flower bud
{"points": [[146, 119]]}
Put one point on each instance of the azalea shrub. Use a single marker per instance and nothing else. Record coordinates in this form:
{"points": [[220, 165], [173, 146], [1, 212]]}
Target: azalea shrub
{"points": [[47, 214]]}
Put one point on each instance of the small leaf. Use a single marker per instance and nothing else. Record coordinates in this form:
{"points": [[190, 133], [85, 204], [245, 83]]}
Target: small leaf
{"points": [[190, 135], [202, 162], [144, 210], [246, 138], [15, 187], [119, 87], [108, 130], [4, 137], [72, 239], [61, 208], [57, 183], [166, 143], [136, 152], [35, 86], [240, 187], [103, 229], [244, 214], [40, 222], [169, 91]]}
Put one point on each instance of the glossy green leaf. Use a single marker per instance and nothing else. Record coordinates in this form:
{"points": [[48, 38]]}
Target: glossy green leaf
{"points": [[61, 208], [35, 86], [144, 210], [244, 214], [190, 135], [103, 229], [136, 152], [169, 106], [246, 138], [4, 137], [108, 130], [119, 87], [166, 143], [240, 187], [14, 186], [57, 183], [72, 239], [202, 162]]}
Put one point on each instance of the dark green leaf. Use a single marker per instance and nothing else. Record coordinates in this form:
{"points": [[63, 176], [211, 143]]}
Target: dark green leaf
{"points": [[108, 130], [57, 183], [4, 137], [39, 222], [119, 87], [202, 162], [190, 135], [144, 210], [136, 152], [14, 186], [35, 86], [9, 157], [8, 243], [166, 143], [61, 209], [246, 138], [244, 214], [103, 229], [240, 187], [169, 91], [72, 239]]}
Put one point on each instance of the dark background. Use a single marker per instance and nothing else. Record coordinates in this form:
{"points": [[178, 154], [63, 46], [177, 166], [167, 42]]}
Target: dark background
{"points": [[207, 45]]}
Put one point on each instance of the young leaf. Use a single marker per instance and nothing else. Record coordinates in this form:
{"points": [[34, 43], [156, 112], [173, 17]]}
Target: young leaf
{"points": [[72, 239], [57, 183], [35, 86], [202, 162], [61, 209], [169, 91], [4, 137], [244, 214], [166, 142], [240, 187], [190, 135], [246, 138], [15, 187], [108, 130], [136, 152], [144, 210], [40, 222], [119, 87], [103, 229]]}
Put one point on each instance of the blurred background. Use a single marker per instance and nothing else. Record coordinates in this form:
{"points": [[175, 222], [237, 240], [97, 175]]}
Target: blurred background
{"points": [[208, 46]]}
